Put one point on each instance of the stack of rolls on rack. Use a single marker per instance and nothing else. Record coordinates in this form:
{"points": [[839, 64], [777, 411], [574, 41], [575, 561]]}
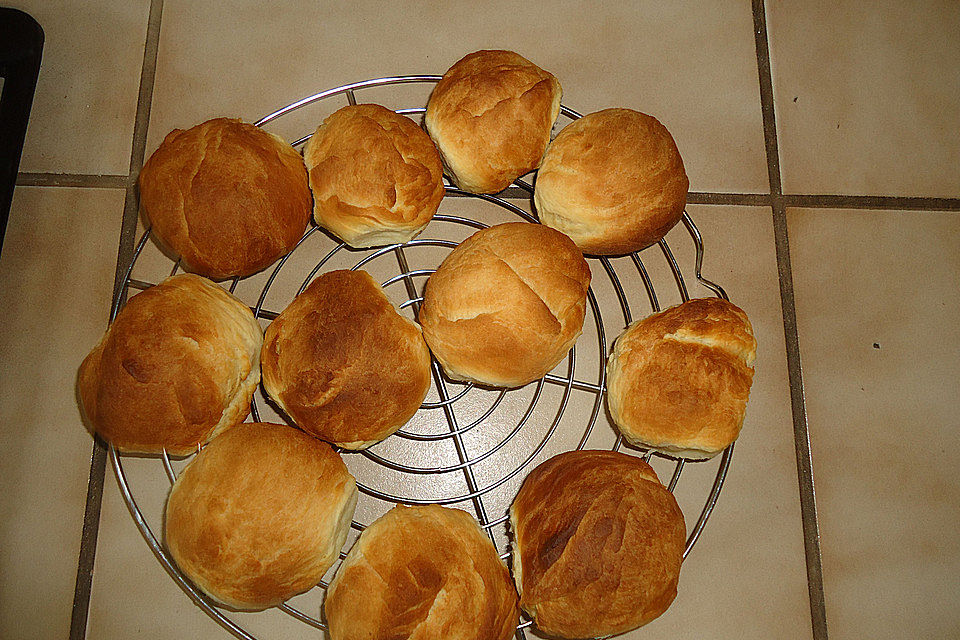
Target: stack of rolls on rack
{"points": [[262, 511]]}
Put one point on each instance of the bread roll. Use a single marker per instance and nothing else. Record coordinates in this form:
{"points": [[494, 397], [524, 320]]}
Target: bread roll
{"points": [[613, 181], [506, 305], [678, 381], [376, 176], [178, 365], [418, 573], [226, 197], [343, 364], [491, 117], [259, 515], [598, 543]]}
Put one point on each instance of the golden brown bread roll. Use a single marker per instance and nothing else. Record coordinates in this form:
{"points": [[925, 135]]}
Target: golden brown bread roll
{"points": [[376, 176], [178, 365], [613, 181], [597, 544], [343, 364], [491, 117], [226, 197], [678, 381], [506, 305], [419, 573], [259, 515]]}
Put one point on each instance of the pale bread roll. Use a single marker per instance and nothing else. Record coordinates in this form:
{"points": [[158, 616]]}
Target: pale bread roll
{"points": [[225, 197], [506, 305], [491, 115], [613, 181], [178, 365], [343, 363], [376, 177], [259, 515], [678, 381], [597, 544], [422, 572]]}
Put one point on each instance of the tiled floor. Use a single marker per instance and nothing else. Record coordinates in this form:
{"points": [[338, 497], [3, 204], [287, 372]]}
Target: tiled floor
{"points": [[831, 105]]}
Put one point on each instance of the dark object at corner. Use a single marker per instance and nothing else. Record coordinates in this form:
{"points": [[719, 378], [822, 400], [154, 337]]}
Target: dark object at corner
{"points": [[21, 45]]}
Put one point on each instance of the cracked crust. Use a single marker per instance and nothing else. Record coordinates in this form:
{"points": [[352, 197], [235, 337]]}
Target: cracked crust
{"points": [[598, 544], [376, 177], [421, 573], [177, 367], [343, 364], [506, 305], [225, 197], [491, 115], [678, 381], [259, 515]]}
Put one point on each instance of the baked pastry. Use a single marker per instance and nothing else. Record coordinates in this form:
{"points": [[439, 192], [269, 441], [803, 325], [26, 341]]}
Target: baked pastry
{"points": [[259, 515], [422, 572], [678, 381], [506, 305], [491, 115], [597, 544], [178, 365], [376, 176], [613, 181], [343, 364], [225, 197]]}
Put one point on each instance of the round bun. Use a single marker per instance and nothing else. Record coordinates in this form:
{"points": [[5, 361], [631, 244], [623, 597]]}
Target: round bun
{"points": [[678, 381], [422, 572], [491, 115], [598, 544], [375, 175], [178, 365], [506, 305], [613, 181], [343, 364], [259, 515], [225, 197]]}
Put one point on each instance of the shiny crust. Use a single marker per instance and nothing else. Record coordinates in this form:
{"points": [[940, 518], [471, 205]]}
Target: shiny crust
{"points": [[678, 381], [260, 515], [613, 181], [491, 115], [226, 197], [597, 544], [343, 364], [421, 573], [177, 366], [376, 176], [506, 305]]}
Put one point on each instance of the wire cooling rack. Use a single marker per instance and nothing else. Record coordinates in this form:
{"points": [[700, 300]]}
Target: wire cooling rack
{"points": [[468, 446]]}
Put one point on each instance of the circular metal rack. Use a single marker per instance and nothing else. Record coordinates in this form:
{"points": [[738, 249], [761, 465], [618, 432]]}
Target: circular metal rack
{"points": [[411, 444]]}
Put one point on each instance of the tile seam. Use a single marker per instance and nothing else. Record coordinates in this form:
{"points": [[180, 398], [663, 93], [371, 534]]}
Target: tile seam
{"points": [[91, 519], [96, 181], [801, 434]]}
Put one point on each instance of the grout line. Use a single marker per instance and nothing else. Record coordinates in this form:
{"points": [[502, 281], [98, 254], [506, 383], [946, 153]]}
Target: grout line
{"points": [[801, 432], [97, 181], [900, 203], [91, 517], [808, 201]]}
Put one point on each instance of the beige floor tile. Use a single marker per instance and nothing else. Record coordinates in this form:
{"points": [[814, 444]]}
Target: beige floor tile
{"points": [[867, 96], [240, 60], [877, 308], [752, 545], [86, 100], [56, 274]]}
